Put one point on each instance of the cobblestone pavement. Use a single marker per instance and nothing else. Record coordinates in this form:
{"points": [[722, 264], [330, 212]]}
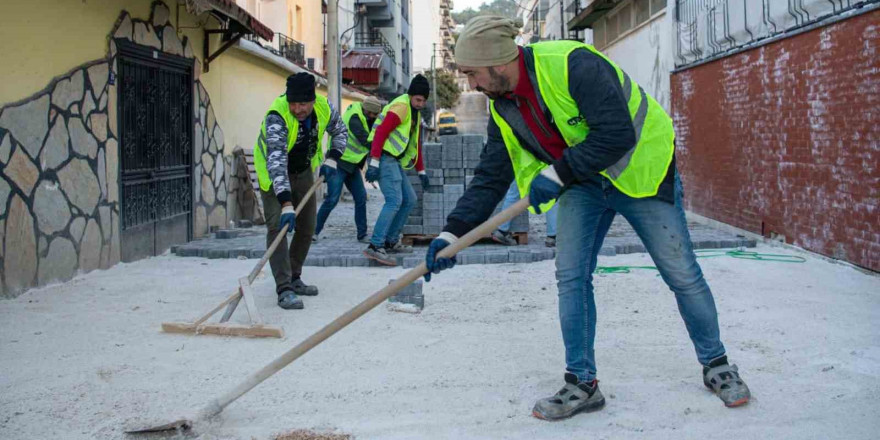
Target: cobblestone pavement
{"points": [[337, 245]]}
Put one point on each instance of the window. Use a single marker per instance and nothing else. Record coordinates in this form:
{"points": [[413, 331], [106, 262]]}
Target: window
{"points": [[624, 19], [630, 15], [599, 33], [643, 10], [657, 6]]}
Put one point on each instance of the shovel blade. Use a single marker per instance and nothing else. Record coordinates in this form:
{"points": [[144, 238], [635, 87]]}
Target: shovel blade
{"points": [[177, 425]]}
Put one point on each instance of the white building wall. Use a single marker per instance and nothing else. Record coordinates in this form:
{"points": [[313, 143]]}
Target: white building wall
{"points": [[647, 56], [426, 19]]}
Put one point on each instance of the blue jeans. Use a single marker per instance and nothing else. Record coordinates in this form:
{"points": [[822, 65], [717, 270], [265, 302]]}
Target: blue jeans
{"points": [[355, 184], [512, 197], [586, 210], [400, 198]]}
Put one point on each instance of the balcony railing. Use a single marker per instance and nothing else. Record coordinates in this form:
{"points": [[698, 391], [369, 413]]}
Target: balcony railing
{"points": [[288, 48], [374, 38], [291, 49]]}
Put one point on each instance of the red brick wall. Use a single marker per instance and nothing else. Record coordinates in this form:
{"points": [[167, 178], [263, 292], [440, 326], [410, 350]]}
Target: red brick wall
{"points": [[784, 139]]}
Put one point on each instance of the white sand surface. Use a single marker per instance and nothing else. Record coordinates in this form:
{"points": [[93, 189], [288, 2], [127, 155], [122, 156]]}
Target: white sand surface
{"points": [[80, 359]]}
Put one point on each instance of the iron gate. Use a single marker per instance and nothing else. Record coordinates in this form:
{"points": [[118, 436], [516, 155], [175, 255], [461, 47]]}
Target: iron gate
{"points": [[156, 132]]}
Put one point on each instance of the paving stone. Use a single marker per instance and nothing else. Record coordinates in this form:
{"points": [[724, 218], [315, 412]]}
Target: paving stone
{"points": [[218, 253], [313, 260], [472, 258], [497, 257], [608, 251], [334, 261], [357, 261], [520, 256], [257, 253]]}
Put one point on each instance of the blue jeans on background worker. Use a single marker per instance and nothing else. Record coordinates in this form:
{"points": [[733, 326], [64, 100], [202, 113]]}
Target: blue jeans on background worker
{"points": [[400, 199], [512, 197], [586, 211], [355, 184]]}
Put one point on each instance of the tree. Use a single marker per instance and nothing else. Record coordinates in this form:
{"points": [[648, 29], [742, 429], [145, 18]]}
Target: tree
{"points": [[446, 95], [504, 8], [447, 92]]}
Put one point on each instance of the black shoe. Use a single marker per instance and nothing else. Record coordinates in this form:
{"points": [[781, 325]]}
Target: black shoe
{"points": [[397, 248], [288, 300], [504, 237], [301, 288]]}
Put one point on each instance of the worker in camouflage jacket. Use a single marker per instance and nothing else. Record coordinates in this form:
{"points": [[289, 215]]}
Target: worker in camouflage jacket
{"points": [[288, 152]]}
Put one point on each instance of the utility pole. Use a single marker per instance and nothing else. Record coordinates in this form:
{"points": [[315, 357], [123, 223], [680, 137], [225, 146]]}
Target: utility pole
{"points": [[561, 20], [434, 83], [334, 85]]}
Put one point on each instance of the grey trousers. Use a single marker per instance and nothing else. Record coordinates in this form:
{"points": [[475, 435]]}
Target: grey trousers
{"points": [[287, 263]]}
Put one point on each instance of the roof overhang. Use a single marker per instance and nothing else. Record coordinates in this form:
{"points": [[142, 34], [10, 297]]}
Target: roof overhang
{"points": [[230, 10], [588, 16]]}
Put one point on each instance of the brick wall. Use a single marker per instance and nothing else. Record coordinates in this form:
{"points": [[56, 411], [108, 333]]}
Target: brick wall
{"points": [[783, 139]]}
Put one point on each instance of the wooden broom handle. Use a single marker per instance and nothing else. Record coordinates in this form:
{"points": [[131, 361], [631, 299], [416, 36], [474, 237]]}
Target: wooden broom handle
{"points": [[217, 405]]}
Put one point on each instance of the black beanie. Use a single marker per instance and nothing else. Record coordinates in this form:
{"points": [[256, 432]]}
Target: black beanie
{"points": [[301, 87], [419, 86]]}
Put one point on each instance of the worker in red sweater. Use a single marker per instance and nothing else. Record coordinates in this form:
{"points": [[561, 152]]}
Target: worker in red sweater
{"points": [[396, 146]]}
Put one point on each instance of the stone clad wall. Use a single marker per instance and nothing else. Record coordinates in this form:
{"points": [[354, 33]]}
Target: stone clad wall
{"points": [[59, 166]]}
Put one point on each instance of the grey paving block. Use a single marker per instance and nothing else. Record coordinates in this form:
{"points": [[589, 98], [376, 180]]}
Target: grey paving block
{"points": [[497, 257], [334, 261], [543, 254], [432, 230], [520, 256], [187, 251], [257, 253], [244, 224], [415, 288], [217, 253], [314, 260], [239, 252], [433, 221], [413, 229], [608, 251], [472, 258], [414, 220], [356, 261], [410, 262], [455, 180]]}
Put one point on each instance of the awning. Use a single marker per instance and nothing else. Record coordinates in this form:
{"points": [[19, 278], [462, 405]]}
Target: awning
{"points": [[229, 9], [588, 16], [362, 67]]}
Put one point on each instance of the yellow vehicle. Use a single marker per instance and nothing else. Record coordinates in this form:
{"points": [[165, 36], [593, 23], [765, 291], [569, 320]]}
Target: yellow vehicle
{"points": [[446, 124]]}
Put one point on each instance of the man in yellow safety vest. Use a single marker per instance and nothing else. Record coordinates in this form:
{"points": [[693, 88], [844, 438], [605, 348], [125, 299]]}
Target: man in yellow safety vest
{"points": [[569, 126], [396, 146], [358, 118], [287, 153]]}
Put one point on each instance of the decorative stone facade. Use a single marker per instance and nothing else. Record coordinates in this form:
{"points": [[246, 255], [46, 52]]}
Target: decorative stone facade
{"points": [[59, 166]]}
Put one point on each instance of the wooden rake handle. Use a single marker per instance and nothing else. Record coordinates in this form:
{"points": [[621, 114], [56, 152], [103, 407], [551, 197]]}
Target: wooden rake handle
{"points": [[217, 405]]}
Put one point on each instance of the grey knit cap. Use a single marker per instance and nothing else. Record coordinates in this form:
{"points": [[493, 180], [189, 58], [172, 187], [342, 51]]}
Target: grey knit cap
{"points": [[487, 40], [372, 105]]}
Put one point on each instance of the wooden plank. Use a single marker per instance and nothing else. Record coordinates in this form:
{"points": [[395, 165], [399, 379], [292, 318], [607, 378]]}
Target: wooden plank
{"points": [[254, 331], [248, 295], [179, 327]]}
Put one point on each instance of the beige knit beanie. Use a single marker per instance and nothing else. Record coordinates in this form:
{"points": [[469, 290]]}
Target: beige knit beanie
{"points": [[372, 105], [487, 40]]}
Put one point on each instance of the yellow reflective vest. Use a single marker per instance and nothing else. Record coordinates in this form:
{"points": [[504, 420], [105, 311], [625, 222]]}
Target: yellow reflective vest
{"points": [[401, 141], [639, 172], [280, 106], [354, 151]]}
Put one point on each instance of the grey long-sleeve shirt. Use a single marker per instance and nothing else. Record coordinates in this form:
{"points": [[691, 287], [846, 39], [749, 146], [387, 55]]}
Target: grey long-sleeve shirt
{"points": [[277, 160]]}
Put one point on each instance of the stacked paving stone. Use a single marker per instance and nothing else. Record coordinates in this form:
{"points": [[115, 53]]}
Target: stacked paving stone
{"points": [[450, 166], [411, 294]]}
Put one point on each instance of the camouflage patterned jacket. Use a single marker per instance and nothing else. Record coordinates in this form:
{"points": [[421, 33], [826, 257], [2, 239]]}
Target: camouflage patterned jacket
{"points": [[276, 148]]}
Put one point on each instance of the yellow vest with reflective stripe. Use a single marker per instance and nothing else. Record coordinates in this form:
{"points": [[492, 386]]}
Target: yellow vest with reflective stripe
{"points": [[401, 140], [280, 106], [354, 151], [639, 172]]}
